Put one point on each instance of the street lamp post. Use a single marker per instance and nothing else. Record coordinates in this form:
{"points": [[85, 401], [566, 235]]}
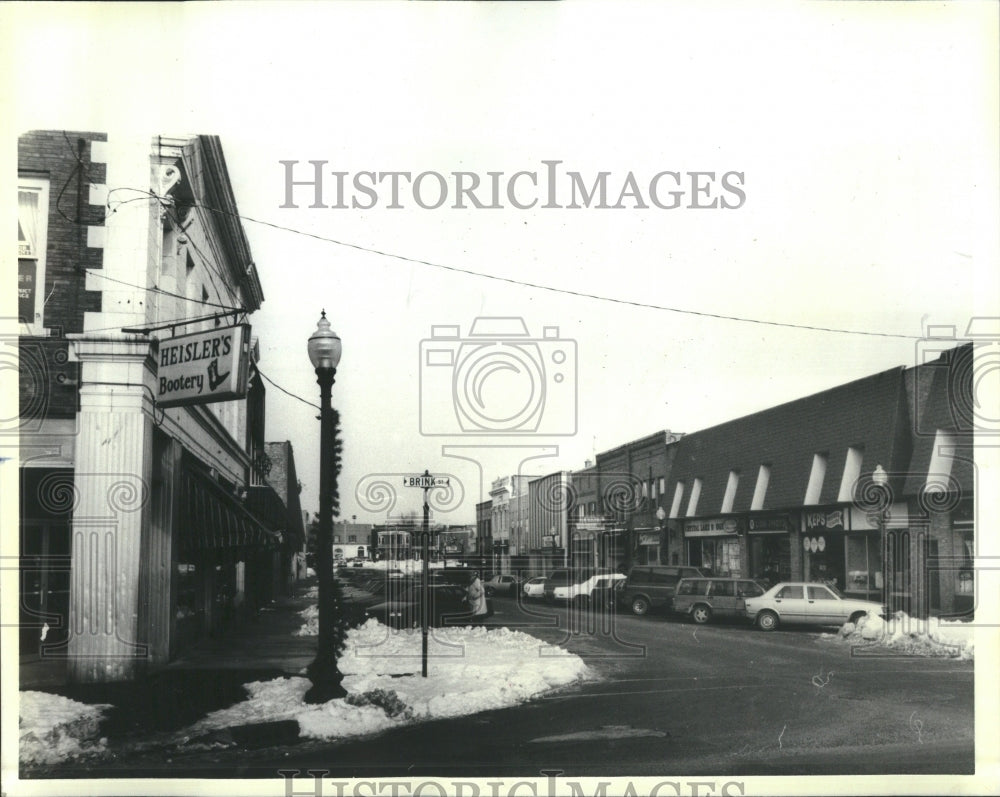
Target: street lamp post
{"points": [[324, 353], [881, 481]]}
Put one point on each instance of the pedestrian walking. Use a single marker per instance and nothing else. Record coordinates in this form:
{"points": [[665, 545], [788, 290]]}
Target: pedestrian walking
{"points": [[476, 596]]}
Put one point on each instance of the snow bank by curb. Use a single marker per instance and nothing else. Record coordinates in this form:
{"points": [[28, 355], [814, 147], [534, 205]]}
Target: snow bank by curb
{"points": [[53, 728], [469, 670], [913, 636]]}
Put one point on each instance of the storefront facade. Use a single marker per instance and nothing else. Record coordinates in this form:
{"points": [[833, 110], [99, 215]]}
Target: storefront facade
{"points": [[144, 542], [773, 496]]}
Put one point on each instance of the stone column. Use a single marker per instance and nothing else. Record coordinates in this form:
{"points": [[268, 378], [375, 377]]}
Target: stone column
{"points": [[112, 511]]}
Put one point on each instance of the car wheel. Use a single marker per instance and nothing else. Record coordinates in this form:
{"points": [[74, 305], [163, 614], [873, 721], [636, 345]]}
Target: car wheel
{"points": [[489, 592], [701, 614], [857, 616], [640, 606], [767, 621]]}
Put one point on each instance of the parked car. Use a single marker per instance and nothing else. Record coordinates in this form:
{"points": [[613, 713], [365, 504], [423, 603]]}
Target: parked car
{"points": [[502, 585], [448, 606], [534, 587], [798, 602], [462, 576], [704, 598], [652, 586], [583, 586]]}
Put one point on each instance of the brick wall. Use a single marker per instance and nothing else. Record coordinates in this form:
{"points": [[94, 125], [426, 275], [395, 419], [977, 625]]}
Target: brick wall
{"points": [[55, 156]]}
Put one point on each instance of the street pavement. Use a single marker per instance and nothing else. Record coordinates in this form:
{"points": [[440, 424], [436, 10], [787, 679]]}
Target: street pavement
{"points": [[670, 697]]}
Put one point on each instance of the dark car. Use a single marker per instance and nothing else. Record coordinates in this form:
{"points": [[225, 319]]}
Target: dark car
{"points": [[704, 598], [502, 584], [447, 606], [461, 576], [652, 586]]}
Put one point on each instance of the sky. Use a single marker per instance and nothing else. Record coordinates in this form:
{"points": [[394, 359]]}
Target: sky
{"points": [[862, 139]]}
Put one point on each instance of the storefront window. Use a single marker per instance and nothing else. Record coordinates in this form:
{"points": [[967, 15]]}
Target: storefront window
{"points": [[187, 590], [770, 558], [716, 557], [965, 584], [864, 566], [824, 557]]}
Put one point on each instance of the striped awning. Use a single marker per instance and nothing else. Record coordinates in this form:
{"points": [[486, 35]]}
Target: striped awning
{"points": [[211, 518]]}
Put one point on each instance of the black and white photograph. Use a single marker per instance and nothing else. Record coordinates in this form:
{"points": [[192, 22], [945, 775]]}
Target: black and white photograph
{"points": [[500, 398]]}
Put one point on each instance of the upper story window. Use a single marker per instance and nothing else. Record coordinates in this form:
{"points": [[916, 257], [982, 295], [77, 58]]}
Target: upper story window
{"points": [[816, 476], [32, 228], [760, 490], [730, 496], [852, 472], [675, 507], [693, 498]]}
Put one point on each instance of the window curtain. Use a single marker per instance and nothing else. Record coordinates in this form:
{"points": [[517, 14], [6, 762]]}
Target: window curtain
{"points": [[27, 220]]}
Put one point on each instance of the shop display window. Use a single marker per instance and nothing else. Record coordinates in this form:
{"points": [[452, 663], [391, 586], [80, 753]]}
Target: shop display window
{"points": [[965, 583], [864, 565]]}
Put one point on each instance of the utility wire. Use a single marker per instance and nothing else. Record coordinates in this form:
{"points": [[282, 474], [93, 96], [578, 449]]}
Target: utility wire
{"points": [[287, 392], [552, 288], [155, 289]]}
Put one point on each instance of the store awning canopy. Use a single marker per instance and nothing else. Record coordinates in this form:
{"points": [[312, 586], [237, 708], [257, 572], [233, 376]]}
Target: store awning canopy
{"points": [[211, 518]]}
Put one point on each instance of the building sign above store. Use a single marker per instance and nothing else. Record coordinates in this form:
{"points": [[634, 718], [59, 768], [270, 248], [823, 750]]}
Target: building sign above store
{"points": [[832, 521], [204, 367], [712, 527], [768, 524]]}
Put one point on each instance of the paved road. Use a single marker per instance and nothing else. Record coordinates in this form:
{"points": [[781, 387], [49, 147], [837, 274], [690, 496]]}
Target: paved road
{"points": [[720, 699], [671, 697]]}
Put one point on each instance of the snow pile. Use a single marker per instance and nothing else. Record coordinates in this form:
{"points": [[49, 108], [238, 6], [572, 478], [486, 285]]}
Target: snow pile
{"points": [[310, 621], [469, 670], [912, 635], [53, 728]]}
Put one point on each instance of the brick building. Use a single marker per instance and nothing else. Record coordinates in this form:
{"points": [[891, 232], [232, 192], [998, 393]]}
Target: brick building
{"points": [[135, 538]]}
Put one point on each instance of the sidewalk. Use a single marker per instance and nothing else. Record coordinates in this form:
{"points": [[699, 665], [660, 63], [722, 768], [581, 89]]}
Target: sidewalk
{"points": [[207, 677]]}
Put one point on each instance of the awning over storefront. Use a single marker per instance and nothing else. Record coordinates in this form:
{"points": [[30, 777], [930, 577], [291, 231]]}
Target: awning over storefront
{"points": [[211, 518]]}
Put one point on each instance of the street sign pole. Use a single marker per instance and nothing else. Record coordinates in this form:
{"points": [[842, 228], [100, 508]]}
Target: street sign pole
{"points": [[424, 619], [426, 482]]}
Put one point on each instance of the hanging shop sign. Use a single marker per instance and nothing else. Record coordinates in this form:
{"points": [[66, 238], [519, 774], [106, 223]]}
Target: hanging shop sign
{"points": [[204, 367], [649, 539], [768, 524], [712, 527], [831, 521], [814, 544]]}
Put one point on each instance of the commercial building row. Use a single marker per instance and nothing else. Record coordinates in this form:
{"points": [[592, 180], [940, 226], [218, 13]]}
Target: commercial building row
{"points": [[869, 486]]}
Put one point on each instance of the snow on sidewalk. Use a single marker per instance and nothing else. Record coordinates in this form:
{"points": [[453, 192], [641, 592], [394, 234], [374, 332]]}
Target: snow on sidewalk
{"points": [[53, 728], [914, 636], [470, 669]]}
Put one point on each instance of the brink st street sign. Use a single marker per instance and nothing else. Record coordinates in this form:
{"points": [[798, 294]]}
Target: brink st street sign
{"points": [[425, 481]]}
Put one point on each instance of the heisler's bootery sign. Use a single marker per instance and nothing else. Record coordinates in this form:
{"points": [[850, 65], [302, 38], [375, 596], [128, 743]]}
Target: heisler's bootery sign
{"points": [[203, 367]]}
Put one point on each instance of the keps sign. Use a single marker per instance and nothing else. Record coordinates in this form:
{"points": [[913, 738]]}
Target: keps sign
{"points": [[203, 367]]}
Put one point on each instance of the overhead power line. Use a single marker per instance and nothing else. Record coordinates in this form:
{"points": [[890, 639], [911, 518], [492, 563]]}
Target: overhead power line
{"points": [[550, 288]]}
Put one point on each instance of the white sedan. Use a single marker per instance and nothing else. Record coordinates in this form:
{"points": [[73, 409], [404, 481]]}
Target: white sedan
{"points": [[535, 587], [806, 603]]}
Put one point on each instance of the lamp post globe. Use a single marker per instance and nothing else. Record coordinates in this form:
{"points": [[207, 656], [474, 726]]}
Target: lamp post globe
{"points": [[324, 345], [324, 352]]}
